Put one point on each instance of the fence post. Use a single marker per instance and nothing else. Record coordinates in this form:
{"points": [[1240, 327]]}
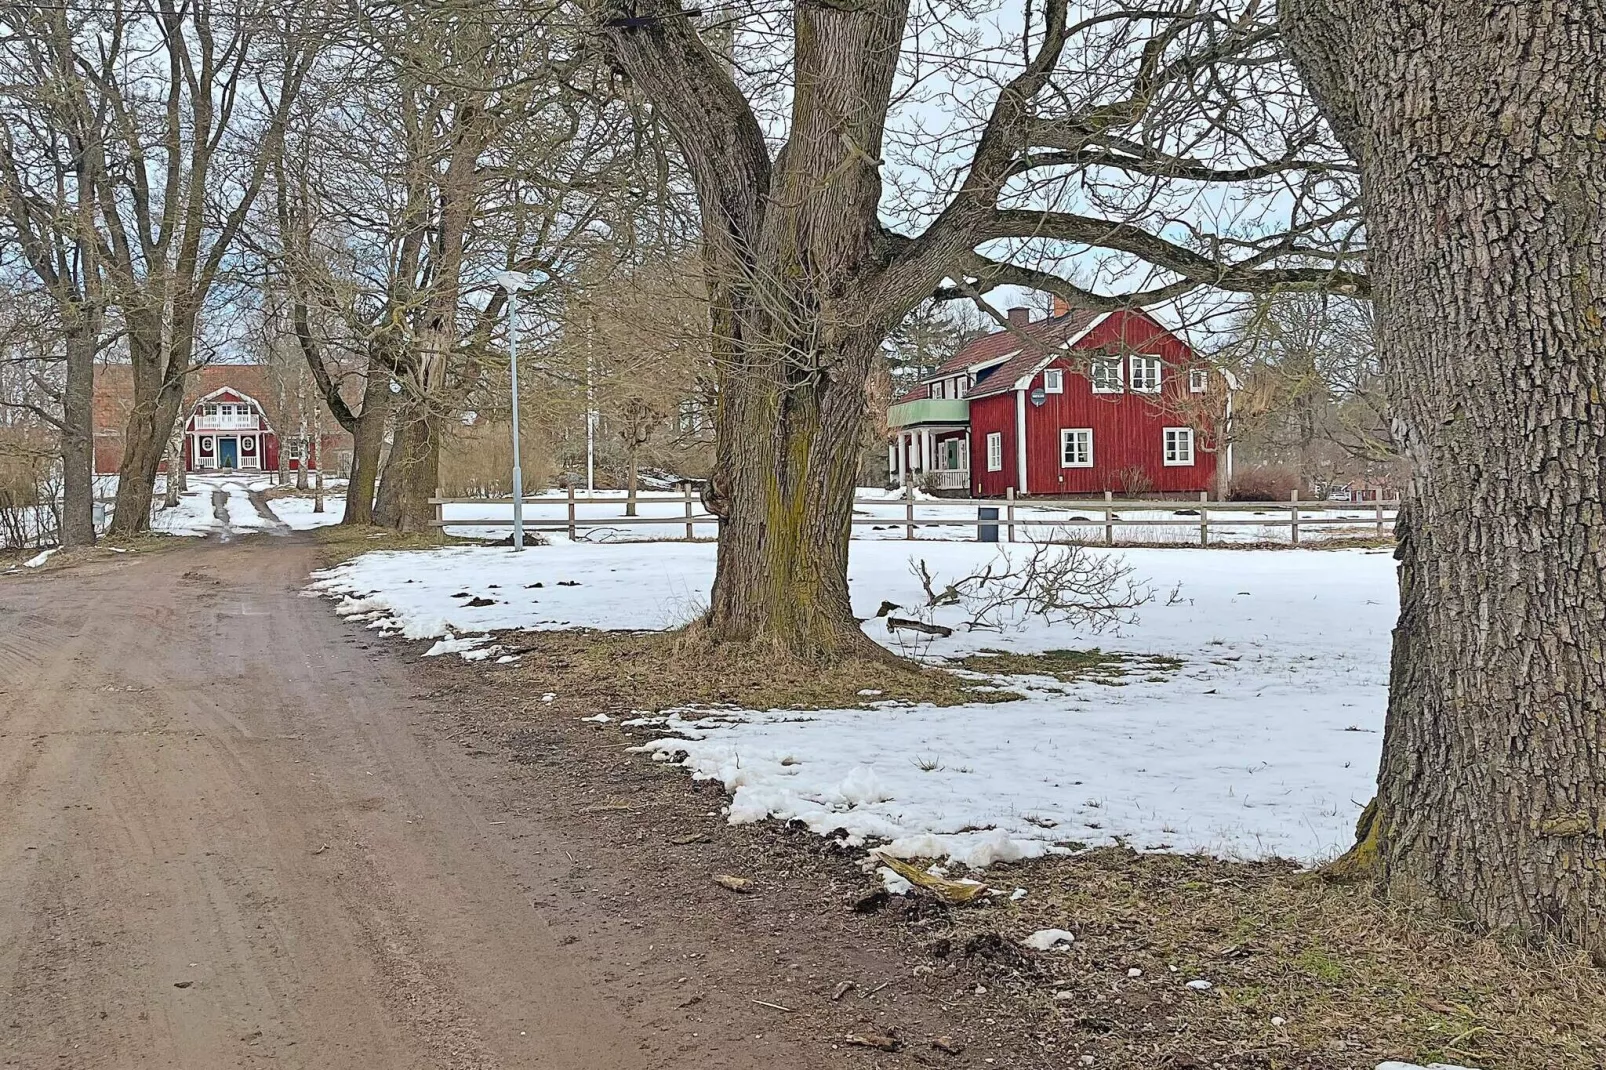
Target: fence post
{"points": [[1293, 509], [1009, 511], [1380, 516], [1109, 518], [440, 513], [571, 513], [690, 534], [1204, 518]]}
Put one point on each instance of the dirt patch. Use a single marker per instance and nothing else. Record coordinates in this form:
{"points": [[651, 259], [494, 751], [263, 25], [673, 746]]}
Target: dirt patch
{"points": [[1069, 666], [1302, 973], [619, 672]]}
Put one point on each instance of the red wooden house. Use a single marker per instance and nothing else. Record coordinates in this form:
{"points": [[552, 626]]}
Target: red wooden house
{"points": [[1081, 402], [235, 417]]}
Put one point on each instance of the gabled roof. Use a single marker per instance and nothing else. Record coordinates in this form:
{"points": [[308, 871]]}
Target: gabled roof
{"points": [[1022, 349]]}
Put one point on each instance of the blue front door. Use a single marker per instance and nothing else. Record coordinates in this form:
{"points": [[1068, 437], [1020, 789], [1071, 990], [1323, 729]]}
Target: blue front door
{"points": [[228, 453]]}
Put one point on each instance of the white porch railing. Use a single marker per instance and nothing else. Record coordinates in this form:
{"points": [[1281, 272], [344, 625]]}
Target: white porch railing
{"points": [[956, 479], [227, 423]]}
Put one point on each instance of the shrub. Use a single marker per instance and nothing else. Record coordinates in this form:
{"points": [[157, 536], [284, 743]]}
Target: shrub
{"points": [[1263, 483]]}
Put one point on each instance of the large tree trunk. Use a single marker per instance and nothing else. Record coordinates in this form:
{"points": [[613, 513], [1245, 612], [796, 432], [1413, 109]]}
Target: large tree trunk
{"points": [[149, 424], [367, 440], [786, 461], [1479, 134], [411, 471], [387, 500], [78, 433]]}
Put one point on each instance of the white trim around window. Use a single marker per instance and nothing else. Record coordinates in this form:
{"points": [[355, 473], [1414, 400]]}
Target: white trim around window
{"points": [[995, 451], [1076, 447], [1177, 447], [1107, 375], [1145, 374], [1198, 380], [1053, 381]]}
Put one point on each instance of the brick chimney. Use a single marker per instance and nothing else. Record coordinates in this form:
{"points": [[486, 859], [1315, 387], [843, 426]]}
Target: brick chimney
{"points": [[1061, 306], [1019, 317]]}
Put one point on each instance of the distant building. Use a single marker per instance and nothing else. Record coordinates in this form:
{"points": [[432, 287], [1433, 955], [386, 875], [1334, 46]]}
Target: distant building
{"points": [[233, 419], [1080, 402]]}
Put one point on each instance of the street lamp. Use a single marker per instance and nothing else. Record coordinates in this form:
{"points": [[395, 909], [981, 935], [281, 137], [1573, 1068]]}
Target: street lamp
{"points": [[513, 282]]}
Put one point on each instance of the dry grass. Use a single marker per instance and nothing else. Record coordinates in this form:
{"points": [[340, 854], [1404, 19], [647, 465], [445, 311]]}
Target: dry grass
{"points": [[1068, 666], [341, 543], [1355, 981], [617, 672]]}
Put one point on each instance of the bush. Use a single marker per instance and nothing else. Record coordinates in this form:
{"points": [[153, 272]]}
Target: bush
{"points": [[1263, 483], [1133, 482]]}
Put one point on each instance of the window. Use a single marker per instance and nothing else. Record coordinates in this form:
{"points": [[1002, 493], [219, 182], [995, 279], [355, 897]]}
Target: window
{"points": [[209, 410], [1053, 381], [1076, 447], [940, 389], [995, 451], [206, 443], [292, 450], [690, 415], [1146, 375], [1105, 373], [1198, 380], [1178, 446]]}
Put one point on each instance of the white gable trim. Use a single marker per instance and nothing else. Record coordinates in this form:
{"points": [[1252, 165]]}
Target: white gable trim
{"points": [[1026, 380]]}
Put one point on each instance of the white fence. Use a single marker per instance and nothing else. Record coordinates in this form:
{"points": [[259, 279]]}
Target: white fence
{"points": [[1109, 520]]}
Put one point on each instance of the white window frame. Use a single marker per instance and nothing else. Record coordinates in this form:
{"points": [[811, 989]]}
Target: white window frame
{"points": [[995, 451], [1171, 452], [1108, 364], [1053, 381], [1198, 380], [1069, 435], [1141, 384]]}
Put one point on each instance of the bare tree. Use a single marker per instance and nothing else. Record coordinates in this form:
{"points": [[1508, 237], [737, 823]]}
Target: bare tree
{"points": [[450, 149], [1087, 131], [47, 195], [174, 111]]}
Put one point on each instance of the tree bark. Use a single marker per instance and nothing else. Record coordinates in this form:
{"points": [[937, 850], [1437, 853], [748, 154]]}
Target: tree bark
{"points": [[786, 462], [157, 394], [367, 440], [1482, 148], [417, 469], [78, 431]]}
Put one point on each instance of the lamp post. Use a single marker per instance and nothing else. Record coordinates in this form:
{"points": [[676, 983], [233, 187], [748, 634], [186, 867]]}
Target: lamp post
{"points": [[513, 282]]}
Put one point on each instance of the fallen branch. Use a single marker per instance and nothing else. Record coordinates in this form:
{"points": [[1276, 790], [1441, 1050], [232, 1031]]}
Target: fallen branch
{"points": [[905, 624]]}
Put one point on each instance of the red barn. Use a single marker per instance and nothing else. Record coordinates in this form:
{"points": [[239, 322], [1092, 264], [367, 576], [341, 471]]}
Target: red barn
{"points": [[1081, 402]]}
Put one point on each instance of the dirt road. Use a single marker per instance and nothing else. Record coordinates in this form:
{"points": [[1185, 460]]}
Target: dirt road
{"points": [[225, 841]]}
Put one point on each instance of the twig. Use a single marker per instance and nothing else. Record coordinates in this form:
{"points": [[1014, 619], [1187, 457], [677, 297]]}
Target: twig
{"points": [[772, 1006]]}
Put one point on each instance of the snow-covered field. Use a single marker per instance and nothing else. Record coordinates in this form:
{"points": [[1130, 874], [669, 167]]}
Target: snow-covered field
{"points": [[1263, 743]]}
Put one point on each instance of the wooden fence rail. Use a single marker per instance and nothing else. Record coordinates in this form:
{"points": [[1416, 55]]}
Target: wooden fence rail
{"points": [[1010, 516]]}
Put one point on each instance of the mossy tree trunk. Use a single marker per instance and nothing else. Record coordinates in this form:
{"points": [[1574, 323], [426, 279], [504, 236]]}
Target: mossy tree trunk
{"points": [[1481, 135]]}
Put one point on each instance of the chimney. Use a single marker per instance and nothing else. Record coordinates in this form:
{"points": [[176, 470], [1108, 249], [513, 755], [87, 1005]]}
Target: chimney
{"points": [[1062, 307], [1019, 317]]}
